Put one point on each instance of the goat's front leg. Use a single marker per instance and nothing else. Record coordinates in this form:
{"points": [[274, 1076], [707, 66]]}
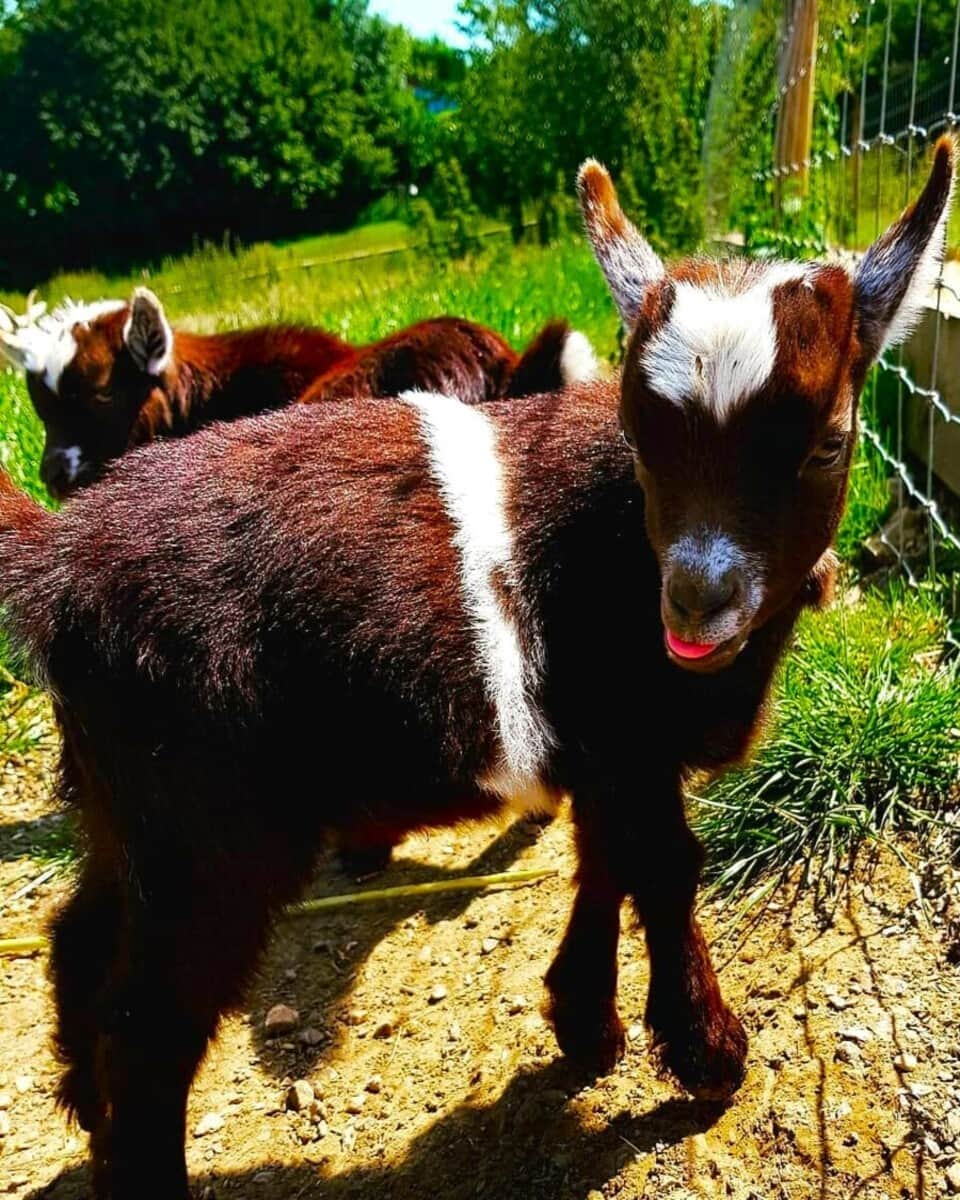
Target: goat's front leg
{"points": [[646, 851], [698, 1039], [582, 980]]}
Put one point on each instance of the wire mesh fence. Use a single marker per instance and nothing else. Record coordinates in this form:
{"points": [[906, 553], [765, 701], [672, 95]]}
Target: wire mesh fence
{"points": [[818, 134]]}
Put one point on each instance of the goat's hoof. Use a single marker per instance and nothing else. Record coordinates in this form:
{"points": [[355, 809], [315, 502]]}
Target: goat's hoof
{"points": [[592, 1038], [709, 1062]]}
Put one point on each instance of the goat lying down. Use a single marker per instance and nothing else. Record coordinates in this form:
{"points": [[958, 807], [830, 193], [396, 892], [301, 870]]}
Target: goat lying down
{"points": [[109, 376], [455, 609]]}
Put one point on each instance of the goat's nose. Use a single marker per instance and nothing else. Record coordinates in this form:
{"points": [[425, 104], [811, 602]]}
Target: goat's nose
{"points": [[58, 471], [697, 594]]}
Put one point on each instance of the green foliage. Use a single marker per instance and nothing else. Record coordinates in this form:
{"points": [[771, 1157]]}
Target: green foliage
{"points": [[868, 502], [126, 125], [561, 81], [864, 740], [129, 129]]}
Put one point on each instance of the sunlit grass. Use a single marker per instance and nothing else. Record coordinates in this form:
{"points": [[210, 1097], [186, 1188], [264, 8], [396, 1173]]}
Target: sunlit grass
{"points": [[864, 738]]}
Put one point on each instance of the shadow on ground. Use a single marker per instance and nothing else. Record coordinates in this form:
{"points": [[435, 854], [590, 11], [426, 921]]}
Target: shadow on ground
{"points": [[526, 1136], [329, 951]]}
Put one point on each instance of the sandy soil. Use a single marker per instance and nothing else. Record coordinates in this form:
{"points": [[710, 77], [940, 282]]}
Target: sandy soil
{"points": [[851, 1003]]}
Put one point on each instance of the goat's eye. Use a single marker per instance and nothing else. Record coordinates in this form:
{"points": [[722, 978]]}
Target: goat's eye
{"points": [[628, 440], [828, 453]]}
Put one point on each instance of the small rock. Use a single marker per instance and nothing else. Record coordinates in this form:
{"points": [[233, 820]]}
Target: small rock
{"points": [[280, 1019], [210, 1122], [905, 1062], [953, 1122], [317, 1113], [848, 1052], [4, 1124], [23, 1083], [356, 1016], [516, 1005], [855, 1033], [312, 1037], [953, 1177], [5, 1101], [488, 945], [932, 1147], [437, 993], [374, 1084], [838, 1002], [917, 1090], [348, 1137], [425, 955], [453, 1033], [356, 1103], [385, 1028], [634, 1032], [300, 1096], [262, 1177]]}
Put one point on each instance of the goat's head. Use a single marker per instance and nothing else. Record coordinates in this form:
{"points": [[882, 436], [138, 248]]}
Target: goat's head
{"points": [[90, 370], [739, 401]]}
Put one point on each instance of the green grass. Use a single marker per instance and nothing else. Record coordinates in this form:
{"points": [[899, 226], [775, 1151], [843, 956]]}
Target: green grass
{"points": [[868, 501], [864, 739]]}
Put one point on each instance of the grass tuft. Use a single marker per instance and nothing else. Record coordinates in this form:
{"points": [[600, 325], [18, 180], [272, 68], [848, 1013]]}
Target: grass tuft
{"points": [[865, 738]]}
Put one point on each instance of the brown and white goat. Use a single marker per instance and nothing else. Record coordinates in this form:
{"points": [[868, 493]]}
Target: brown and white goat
{"points": [[458, 609], [108, 376]]}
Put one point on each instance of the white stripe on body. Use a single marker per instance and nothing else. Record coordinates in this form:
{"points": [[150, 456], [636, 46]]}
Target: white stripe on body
{"points": [[465, 463]]}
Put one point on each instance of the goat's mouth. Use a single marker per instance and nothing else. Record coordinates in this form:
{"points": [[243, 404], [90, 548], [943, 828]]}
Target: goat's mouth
{"points": [[703, 657]]}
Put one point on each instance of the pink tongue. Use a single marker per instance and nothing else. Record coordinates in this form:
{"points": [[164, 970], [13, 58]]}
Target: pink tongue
{"points": [[689, 649]]}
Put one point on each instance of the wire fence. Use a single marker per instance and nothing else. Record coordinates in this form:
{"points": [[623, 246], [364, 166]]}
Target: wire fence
{"points": [[875, 117]]}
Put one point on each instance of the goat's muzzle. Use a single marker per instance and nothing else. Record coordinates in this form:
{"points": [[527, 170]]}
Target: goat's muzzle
{"points": [[706, 603]]}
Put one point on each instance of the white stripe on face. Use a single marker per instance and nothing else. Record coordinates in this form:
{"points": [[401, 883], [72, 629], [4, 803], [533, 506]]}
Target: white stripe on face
{"points": [[717, 348], [462, 449], [61, 346], [73, 457]]}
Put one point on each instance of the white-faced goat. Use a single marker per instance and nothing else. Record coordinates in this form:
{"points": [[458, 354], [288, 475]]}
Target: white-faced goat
{"points": [[457, 609]]}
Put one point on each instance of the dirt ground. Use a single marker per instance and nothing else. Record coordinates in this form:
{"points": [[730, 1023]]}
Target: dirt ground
{"points": [[435, 1076]]}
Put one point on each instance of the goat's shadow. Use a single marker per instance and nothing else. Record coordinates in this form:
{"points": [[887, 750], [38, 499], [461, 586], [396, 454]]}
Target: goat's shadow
{"points": [[328, 951], [527, 1143]]}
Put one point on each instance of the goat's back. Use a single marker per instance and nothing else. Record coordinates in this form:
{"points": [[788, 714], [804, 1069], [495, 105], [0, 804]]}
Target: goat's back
{"points": [[289, 592]]}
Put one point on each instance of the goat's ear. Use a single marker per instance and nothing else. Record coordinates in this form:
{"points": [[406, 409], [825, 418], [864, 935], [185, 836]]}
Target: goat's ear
{"points": [[147, 333], [628, 261], [20, 352], [896, 274]]}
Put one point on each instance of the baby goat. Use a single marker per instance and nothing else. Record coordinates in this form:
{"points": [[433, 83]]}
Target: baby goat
{"points": [[108, 376], [457, 609]]}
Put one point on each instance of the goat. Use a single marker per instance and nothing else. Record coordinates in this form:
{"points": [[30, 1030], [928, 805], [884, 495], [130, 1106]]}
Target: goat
{"points": [[108, 376], [453, 607]]}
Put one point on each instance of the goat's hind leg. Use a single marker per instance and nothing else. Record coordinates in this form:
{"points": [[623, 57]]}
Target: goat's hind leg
{"points": [[194, 936], [83, 947]]}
